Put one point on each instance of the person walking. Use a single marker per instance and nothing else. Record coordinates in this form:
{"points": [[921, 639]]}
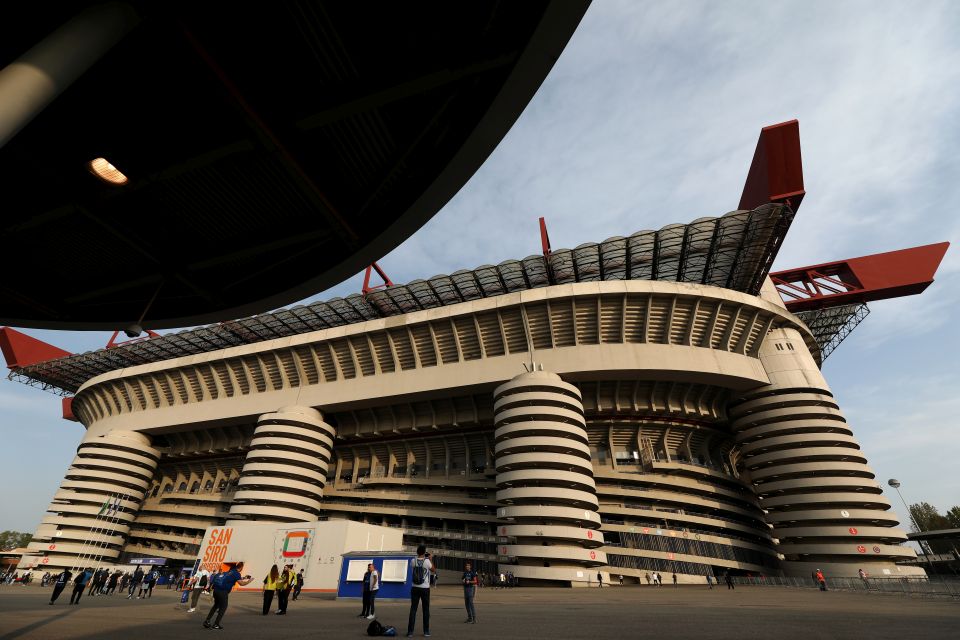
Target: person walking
{"points": [[223, 584], [647, 576], [94, 582], [297, 588], [728, 579], [83, 577], [621, 579], [821, 580], [599, 579], [135, 581], [198, 584], [59, 584], [270, 584], [863, 577], [674, 579], [422, 569], [112, 582], [287, 578], [371, 584], [470, 582], [710, 581], [151, 580]]}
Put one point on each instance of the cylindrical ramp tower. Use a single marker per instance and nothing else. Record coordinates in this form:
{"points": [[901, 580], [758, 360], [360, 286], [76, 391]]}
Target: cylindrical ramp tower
{"points": [[91, 513], [286, 468], [549, 509], [820, 496]]}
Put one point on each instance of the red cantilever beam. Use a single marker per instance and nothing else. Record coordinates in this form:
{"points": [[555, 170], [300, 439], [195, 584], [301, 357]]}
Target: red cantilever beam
{"points": [[21, 350], [879, 276], [776, 172]]}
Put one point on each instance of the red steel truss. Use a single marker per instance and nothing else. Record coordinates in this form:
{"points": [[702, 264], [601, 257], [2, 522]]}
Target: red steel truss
{"points": [[879, 276]]}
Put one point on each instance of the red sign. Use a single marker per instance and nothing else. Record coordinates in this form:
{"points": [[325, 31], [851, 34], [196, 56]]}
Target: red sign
{"points": [[853, 531], [876, 549], [503, 531], [593, 555], [52, 547], [646, 530], [590, 534], [861, 548], [670, 556], [45, 561]]}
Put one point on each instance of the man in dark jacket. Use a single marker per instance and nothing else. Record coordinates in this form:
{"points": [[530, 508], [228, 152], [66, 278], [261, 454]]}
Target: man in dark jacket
{"points": [[135, 582], [83, 577], [59, 584]]}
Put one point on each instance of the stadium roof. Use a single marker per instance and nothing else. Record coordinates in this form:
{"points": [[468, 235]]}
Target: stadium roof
{"points": [[270, 149], [734, 251]]}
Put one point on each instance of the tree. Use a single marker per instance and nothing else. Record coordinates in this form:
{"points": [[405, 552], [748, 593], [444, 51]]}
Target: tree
{"points": [[927, 517], [10, 540], [953, 515]]}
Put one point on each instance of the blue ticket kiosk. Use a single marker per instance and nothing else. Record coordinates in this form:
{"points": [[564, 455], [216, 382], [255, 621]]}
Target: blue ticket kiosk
{"points": [[396, 577]]}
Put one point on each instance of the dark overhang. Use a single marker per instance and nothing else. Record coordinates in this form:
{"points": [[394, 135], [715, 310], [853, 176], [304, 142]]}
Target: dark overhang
{"points": [[272, 149]]}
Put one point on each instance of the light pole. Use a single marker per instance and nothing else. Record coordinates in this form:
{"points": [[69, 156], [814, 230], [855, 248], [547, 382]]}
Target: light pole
{"points": [[893, 482]]}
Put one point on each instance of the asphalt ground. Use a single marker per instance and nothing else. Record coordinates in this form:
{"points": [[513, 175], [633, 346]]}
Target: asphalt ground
{"points": [[525, 613]]}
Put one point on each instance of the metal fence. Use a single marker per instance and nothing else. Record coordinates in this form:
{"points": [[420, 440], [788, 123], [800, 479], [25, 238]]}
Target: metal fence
{"points": [[948, 586]]}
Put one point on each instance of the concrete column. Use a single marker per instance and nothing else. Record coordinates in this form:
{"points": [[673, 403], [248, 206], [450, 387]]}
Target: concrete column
{"points": [[31, 82], [819, 494], [90, 516], [545, 480], [286, 468]]}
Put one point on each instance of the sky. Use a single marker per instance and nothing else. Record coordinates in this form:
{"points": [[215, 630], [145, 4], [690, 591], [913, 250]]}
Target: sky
{"points": [[650, 117]]}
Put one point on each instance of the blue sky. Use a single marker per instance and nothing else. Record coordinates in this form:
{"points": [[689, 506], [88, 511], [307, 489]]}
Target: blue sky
{"points": [[651, 117]]}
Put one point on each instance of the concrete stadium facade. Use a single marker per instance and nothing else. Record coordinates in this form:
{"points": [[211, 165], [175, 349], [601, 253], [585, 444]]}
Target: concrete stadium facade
{"points": [[672, 427]]}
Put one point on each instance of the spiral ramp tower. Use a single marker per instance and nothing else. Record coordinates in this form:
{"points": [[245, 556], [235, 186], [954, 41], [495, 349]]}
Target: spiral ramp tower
{"points": [[100, 496], [286, 467], [819, 494], [548, 506]]}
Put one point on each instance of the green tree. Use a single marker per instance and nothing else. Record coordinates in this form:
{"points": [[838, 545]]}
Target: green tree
{"points": [[927, 517], [953, 515], [13, 539]]}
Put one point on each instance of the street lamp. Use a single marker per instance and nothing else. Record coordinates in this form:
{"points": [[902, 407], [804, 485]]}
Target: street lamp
{"points": [[893, 482]]}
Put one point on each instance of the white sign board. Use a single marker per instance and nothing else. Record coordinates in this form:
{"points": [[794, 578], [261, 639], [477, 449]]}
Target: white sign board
{"points": [[394, 571]]}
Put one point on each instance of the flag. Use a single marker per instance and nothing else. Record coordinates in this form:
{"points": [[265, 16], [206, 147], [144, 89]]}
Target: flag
{"points": [[106, 505]]}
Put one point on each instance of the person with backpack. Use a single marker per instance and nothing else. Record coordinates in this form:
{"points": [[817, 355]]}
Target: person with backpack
{"points": [[470, 582], [423, 571], [198, 584], [59, 584], [270, 585], [135, 582], [371, 584], [223, 584]]}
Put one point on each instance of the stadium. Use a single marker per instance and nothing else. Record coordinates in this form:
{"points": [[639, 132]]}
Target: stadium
{"points": [[648, 403]]}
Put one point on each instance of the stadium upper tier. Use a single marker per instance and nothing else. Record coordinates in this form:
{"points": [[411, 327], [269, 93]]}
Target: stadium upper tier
{"points": [[734, 251]]}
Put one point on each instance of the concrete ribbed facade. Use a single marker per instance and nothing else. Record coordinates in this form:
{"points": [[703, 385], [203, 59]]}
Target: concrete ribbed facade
{"points": [[545, 479], [667, 432], [285, 468]]}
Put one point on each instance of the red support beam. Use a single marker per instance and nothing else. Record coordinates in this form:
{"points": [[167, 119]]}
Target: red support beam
{"points": [[879, 276], [383, 276], [776, 173], [21, 350]]}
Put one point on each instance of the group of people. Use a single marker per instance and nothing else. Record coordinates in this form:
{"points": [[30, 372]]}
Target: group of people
{"points": [[103, 582], [281, 583]]}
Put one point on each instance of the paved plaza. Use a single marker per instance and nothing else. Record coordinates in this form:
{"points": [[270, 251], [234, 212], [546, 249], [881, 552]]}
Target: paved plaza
{"points": [[528, 614]]}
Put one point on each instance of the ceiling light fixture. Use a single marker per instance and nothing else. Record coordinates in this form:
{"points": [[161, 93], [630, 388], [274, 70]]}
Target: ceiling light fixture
{"points": [[102, 168]]}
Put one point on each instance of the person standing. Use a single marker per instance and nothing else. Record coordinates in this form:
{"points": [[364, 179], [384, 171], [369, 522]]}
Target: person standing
{"points": [[599, 580], [112, 582], [728, 579], [647, 576], [297, 588], [287, 578], [621, 579], [422, 569], [371, 583], [270, 584], [223, 584], [709, 581], [863, 577], [83, 577], [674, 579], [470, 592], [199, 583], [59, 584], [821, 580], [152, 581]]}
